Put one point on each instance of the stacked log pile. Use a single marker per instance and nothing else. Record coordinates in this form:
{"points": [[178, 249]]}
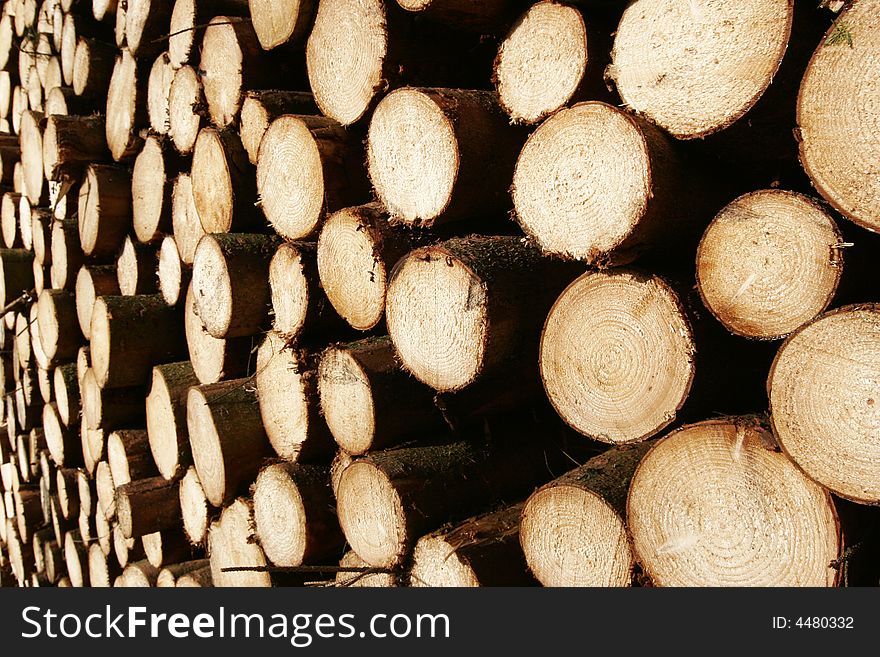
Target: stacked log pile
{"points": [[439, 293]]}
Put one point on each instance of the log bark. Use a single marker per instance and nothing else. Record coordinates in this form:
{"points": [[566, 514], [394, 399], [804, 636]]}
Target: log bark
{"points": [[16, 274], [70, 144], [199, 578], [132, 334], [369, 402], [67, 393], [172, 574], [287, 389], [166, 417], [328, 174], [227, 437], [93, 282], [293, 514], [109, 409], [147, 505], [231, 282]]}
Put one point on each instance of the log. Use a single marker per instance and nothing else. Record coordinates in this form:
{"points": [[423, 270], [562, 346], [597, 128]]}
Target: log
{"points": [[300, 309], [194, 507], [76, 557], [769, 263], [136, 268], [60, 337], [622, 187], [119, 24], [227, 437], [358, 50], [629, 379], [213, 359], [362, 580], [132, 334], [231, 282], [67, 492], [9, 220], [308, 165], [223, 182], [146, 23], [64, 101], [478, 16], [105, 490], [294, 514], [147, 505], [105, 206], [62, 441], [185, 222], [67, 393], [158, 93], [126, 106], [104, 10], [41, 235], [166, 406], [260, 108], [433, 131], [30, 134], [102, 570], [388, 499], [70, 144], [186, 109], [357, 248], [67, 255], [487, 297], [28, 512], [129, 456], [188, 21], [198, 578], [573, 530], [230, 545], [93, 63], [72, 27], [92, 443], [8, 51], [55, 566], [166, 547], [25, 221], [779, 527], [822, 399], [16, 275], [140, 574], [279, 23], [127, 550], [155, 171], [480, 551], [834, 154], [93, 282], [111, 408], [369, 402], [287, 389], [233, 62], [174, 276], [172, 574], [663, 78]]}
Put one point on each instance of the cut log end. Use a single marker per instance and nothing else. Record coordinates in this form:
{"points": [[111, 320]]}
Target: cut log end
{"points": [[222, 61], [542, 61], [173, 279], [690, 77], [582, 181], [834, 116], [158, 93], [184, 118], [165, 407], [149, 187], [206, 447], [410, 131], [441, 336], [230, 545], [825, 401], [280, 516], [122, 107], [617, 356], [290, 290], [291, 195], [345, 55], [186, 225], [277, 23], [352, 272], [193, 507], [347, 401], [769, 263], [371, 514], [212, 185], [715, 503]]}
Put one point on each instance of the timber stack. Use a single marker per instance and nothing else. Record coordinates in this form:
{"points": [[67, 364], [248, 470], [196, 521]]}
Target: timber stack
{"points": [[439, 293]]}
